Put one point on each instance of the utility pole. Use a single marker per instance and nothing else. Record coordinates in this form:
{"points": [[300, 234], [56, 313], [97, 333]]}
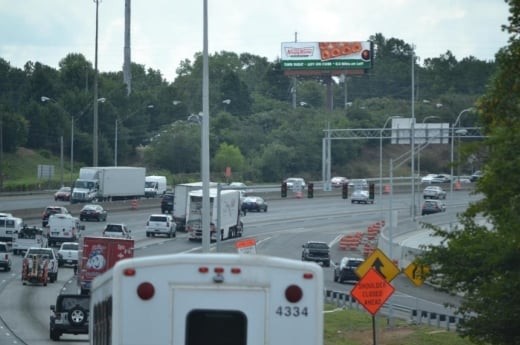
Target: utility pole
{"points": [[95, 125]]}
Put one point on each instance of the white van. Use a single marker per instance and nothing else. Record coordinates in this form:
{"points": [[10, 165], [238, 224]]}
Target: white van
{"points": [[63, 228], [154, 186], [9, 227]]}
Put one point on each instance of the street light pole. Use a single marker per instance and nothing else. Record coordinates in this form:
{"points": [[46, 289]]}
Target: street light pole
{"points": [[452, 138], [95, 125], [381, 154]]}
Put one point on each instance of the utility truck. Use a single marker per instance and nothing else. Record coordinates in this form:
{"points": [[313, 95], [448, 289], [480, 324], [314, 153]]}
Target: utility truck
{"points": [[108, 183], [154, 186], [211, 298], [29, 237], [97, 255], [227, 214], [180, 201]]}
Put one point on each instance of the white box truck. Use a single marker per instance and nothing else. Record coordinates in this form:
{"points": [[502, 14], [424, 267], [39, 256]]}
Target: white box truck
{"points": [[108, 183], [180, 201], [154, 186], [230, 224], [211, 298]]}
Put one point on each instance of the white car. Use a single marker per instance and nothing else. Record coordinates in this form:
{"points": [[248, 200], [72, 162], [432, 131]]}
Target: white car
{"points": [[160, 224], [68, 254], [295, 183], [117, 231], [434, 192], [428, 178], [338, 181], [361, 197]]}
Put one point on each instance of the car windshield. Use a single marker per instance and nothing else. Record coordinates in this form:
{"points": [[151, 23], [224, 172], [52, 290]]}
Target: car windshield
{"points": [[73, 301], [158, 219], [114, 228], [354, 263], [69, 246]]}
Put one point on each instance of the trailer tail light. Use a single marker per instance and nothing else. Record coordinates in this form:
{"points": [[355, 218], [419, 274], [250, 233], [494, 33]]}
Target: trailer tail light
{"points": [[203, 269], [145, 291], [129, 272], [293, 293]]}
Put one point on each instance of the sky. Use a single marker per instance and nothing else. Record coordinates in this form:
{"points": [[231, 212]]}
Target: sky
{"points": [[166, 32]]}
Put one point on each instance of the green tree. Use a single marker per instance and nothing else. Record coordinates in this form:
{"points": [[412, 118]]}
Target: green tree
{"points": [[228, 156], [479, 259]]}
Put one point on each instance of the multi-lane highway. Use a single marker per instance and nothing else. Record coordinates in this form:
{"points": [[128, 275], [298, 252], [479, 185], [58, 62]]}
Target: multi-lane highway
{"points": [[24, 310]]}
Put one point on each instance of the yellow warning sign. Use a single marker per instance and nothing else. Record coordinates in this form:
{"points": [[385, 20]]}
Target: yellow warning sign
{"points": [[381, 263]]}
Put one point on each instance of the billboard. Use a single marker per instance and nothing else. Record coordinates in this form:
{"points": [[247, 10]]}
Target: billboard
{"points": [[327, 55]]}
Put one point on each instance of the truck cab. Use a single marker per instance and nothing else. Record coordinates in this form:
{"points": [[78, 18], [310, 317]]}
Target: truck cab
{"points": [[84, 191]]}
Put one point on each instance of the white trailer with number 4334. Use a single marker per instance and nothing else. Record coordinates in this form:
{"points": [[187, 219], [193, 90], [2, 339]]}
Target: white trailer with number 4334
{"points": [[213, 298]]}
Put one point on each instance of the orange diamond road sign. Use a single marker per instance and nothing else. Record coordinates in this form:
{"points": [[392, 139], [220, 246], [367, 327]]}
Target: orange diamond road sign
{"points": [[416, 273], [381, 263], [372, 291]]}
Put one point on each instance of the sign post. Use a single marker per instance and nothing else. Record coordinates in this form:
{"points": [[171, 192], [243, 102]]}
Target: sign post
{"points": [[371, 292]]}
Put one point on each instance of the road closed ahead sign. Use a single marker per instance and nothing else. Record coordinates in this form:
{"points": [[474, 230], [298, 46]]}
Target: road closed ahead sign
{"points": [[372, 291]]}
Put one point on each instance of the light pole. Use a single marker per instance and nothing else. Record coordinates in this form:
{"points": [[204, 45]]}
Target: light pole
{"points": [[150, 106], [452, 138], [381, 154], [95, 125], [422, 146]]}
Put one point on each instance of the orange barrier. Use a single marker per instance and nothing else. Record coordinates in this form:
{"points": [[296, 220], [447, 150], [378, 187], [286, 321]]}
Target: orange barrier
{"points": [[373, 231], [457, 185], [349, 241], [133, 204], [367, 249], [386, 189], [298, 195]]}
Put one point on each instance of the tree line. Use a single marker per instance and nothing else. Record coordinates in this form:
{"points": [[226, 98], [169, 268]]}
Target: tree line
{"points": [[254, 127]]}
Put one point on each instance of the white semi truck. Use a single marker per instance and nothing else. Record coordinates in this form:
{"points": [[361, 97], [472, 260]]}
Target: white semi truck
{"points": [[229, 220], [210, 298], [180, 201], [108, 183]]}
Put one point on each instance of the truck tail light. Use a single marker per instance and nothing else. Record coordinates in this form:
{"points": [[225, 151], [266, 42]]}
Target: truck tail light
{"points": [[145, 291], [293, 293]]}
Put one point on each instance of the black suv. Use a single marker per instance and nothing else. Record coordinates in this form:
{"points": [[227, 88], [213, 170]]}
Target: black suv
{"points": [[316, 251], [167, 203], [70, 315]]}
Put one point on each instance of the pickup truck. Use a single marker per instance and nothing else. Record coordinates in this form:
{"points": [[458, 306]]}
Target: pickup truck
{"points": [[28, 237], [317, 252], [68, 254], [5, 258], [41, 256]]}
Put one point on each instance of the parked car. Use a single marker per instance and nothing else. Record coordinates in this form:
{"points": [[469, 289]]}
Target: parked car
{"points": [[63, 194], [475, 176], [434, 192], [360, 196], [167, 203], [346, 269], [441, 178], [254, 203], [117, 231], [338, 181], [295, 183], [5, 257], [70, 315], [433, 206], [68, 254], [316, 251], [358, 184], [50, 210], [160, 224], [93, 212]]}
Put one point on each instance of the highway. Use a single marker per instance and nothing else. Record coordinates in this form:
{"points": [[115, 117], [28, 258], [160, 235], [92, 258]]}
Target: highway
{"points": [[24, 310]]}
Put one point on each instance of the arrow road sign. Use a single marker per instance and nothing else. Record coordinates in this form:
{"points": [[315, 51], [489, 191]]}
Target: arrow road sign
{"points": [[381, 263]]}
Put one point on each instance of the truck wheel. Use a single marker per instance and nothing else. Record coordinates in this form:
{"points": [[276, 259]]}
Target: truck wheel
{"points": [[77, 316]]}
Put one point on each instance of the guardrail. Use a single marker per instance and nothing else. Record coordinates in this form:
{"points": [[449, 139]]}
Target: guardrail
{"points": [[417, 316]]}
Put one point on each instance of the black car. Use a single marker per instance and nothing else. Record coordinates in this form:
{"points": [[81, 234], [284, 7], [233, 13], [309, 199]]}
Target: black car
{"points": [[167, 203], [346, 270], [316, 251], [93, 212], [254, 203], [50, 210], [70, 315]]}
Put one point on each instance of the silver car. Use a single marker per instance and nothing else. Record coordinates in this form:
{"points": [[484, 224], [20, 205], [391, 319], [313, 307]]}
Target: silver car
{"points": [[361, 197], [434, 192]]}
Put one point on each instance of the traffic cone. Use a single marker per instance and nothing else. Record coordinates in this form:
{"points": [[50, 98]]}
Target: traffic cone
{"points": [[457, 185], [386, 190], [134, 204]]}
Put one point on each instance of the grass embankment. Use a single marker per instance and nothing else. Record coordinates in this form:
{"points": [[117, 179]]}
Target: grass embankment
{"points": [[351, 327]]}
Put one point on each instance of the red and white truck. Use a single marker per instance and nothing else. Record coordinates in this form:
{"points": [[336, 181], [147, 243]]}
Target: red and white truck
{"points": [[97, 255]]}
